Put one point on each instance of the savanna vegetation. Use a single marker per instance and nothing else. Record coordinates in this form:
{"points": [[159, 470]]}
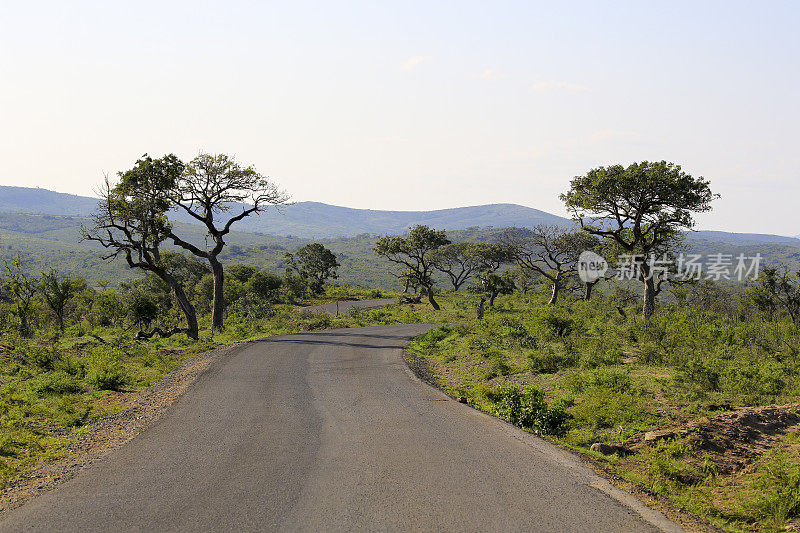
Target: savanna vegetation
{"points": [[641, 375]]}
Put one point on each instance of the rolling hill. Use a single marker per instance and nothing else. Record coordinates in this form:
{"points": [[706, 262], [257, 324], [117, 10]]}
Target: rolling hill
{"points": [[304, 219], [316, 220]]}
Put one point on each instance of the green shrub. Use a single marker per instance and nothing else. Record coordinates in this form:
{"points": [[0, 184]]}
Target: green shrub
{"points": [[320, 321], [44, 358], [527, 409], [778, 486], [68, 412], [756, 381], [548, 361], [603, 410], [665, 467], [498, 366], [554, 321], [608, 379], [55, 383], [697, 374], [104, 372]]}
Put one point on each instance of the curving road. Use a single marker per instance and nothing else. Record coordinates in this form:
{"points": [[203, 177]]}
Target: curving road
{"points": [[330, 431]]}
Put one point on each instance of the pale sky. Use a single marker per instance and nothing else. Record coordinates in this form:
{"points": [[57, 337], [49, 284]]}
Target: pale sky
{"points": [[411, 105]]}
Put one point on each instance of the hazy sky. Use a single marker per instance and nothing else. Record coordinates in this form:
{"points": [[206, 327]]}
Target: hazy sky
{"points": [[411, 105]]}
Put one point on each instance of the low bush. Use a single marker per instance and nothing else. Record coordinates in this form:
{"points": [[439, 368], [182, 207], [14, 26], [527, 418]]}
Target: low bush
{"points": [[528, 410]]}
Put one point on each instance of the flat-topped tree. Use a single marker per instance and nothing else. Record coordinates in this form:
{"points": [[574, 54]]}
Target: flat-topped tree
{"points": [[131, 220], [415, 251], [640, 207], [211, 187]]}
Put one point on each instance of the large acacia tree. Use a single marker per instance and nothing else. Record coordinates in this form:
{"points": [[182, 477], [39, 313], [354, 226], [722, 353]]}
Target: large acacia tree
{"points": [[415, 252], [641, 208], [218, 192], [131, 220]]}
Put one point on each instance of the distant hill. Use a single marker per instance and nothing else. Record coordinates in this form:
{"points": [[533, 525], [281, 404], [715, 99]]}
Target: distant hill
{"points": [[305, 219], [742, 239], [315, 220]]}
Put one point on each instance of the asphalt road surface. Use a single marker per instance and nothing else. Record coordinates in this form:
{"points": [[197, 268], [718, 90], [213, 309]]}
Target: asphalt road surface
{"points": [[330, 431]]}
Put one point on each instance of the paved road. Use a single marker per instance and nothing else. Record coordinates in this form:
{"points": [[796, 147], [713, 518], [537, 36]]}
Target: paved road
{"points": [[330, 431], [345, 305]]}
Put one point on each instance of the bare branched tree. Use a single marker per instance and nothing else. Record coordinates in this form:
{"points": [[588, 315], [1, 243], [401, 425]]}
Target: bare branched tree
{"points": [[547, 250], [210, 189]]}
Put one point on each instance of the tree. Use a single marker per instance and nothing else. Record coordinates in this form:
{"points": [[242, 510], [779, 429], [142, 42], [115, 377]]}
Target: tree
{"points": [[591, 246], [315, 263], [141, 308], [57, 292], [461, 260], [265, 285], [494, 284], [547, 250], [22, 290], [241, 273], [207, 190], [131, 219], [778, 291], [457, 260], [640, 207], [414, 251]]}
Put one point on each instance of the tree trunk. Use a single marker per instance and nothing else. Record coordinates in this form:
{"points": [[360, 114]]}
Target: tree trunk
{"points": [[587, 292], [23, 324], [218, 304], [429, 290], [554, 293], [649, 306], [480, 308], [491, 299], [192, 331]]}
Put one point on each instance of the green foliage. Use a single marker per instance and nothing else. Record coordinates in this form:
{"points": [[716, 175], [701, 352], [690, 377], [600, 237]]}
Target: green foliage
{"points": [[548, 361], [240, 272], [415, 253], [314, 263], [640, 209], [553, 321], [141, 307], [778, 292], [55, 383], [265, 285], [778, 484], [529, 410]]}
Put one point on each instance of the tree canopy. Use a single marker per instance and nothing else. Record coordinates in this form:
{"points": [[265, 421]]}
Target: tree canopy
{"points": [[415, 252], [640, 207]]}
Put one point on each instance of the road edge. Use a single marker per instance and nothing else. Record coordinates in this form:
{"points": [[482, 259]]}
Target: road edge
{"points": [[651, 509]]}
